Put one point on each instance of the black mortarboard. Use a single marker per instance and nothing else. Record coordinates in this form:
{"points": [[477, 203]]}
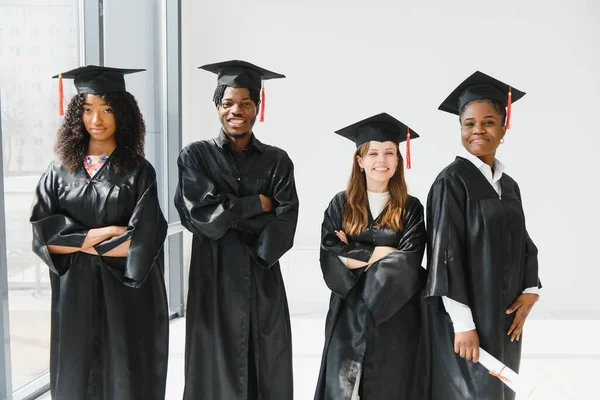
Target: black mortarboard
{"points": [[93, 79], [242, 74], [480, 86], [381, 128]]}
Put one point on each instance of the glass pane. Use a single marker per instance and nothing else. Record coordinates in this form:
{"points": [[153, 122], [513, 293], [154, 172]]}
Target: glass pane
{"points": [[38, 38]]}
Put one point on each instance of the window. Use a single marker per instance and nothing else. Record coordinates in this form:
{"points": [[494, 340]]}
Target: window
{"points": [[29, 124]]}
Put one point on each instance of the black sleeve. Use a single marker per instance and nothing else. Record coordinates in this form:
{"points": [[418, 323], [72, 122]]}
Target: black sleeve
{"points": [[446, 204], [337, 276], [202, 209], [51, 227], [147, 229], [531, 278], [277, 237], [255, 226], [392, 281]]}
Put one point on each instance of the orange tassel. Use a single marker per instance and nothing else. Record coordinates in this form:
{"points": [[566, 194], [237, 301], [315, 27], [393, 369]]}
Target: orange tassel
{"points": [[508, 108], [262, 104], [408, 163], [61, 95]]}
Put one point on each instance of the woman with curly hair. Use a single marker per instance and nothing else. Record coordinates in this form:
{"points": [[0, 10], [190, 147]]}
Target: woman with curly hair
{"points": [[372, 244], [98, 226]]}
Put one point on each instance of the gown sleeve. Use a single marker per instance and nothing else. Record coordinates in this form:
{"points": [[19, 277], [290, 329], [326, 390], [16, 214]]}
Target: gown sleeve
{"points": [[51, 226], [392, 281], [277, 237], [446, 240], [147, 229], [203, 210], [337, 276], [531, 278], [256, 225]]}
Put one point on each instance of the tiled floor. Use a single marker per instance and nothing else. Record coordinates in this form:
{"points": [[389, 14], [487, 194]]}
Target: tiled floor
{"points": [[560, 358]]}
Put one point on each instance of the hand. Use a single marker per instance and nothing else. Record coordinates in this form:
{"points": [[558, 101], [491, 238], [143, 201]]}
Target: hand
{"points": [[99, 235], [466, 345], [117, 230], [89, 250], [380, 252], [385, 250], [266, 203], [522, 306], [355, 264], [342, 236]]}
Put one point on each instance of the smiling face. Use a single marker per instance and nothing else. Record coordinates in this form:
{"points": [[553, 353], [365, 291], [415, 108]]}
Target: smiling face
{"points": [[99, 119], [482, 128], [380, 162], [237, 112]]}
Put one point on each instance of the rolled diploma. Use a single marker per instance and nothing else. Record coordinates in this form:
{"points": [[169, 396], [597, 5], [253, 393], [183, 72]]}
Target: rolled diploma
{"points": [[505, 374]]}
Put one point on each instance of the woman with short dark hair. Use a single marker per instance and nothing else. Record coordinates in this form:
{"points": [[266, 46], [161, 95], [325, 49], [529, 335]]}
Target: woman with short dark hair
{"points": [[482, 264]]}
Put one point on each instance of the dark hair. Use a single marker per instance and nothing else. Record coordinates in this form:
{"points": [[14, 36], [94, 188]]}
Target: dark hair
{"points": [[73, 139], [500, 109], [220, 90]]}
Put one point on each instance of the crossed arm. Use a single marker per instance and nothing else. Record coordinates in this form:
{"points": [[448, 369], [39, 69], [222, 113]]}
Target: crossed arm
{"points": [[93, 237], [379, 252]]}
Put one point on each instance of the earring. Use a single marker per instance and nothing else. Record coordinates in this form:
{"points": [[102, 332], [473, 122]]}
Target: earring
{"points": [[501, 140], [362, 170]]}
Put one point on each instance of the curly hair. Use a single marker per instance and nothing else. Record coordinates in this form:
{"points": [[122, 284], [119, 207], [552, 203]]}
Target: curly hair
{"points": [[498, 107], [220, 91], [73, 139]]}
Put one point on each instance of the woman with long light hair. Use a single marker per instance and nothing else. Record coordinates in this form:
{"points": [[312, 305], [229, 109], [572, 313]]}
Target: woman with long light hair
{"points": [[372, 244]]}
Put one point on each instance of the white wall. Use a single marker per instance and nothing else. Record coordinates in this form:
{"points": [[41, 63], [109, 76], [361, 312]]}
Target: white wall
{"points": [[347, 60]]}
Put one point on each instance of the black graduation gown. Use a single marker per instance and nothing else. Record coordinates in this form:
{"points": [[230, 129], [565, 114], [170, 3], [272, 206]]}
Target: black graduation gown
{"points": [[374, 316], [109, 335], [236, 291], [479, 254]]}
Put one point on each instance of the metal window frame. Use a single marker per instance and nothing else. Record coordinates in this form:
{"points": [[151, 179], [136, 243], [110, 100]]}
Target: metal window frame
{"points": [[5, 362], [171, 81], [91, 32]]}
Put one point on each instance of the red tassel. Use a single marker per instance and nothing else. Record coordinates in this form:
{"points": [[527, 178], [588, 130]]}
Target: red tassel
{"points": [[408, 163], [61, 110], [508, 108], [262, 104]]}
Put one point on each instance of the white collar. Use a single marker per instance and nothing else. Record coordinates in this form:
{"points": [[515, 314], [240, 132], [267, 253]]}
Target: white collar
{"points": [[375, 194], [377, 202], [499, 168]]}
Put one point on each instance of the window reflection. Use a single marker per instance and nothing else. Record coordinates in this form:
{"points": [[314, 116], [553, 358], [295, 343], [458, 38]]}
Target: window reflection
{"points": [[38, 39]]}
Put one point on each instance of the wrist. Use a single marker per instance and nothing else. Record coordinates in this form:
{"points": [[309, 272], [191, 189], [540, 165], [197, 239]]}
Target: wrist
{"points": [[263, 201], [111, 231]]}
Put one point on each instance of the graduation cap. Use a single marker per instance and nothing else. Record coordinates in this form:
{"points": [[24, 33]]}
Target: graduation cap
{"points": [[480, 86], [93, 79], [242, 74], [381, 128]]}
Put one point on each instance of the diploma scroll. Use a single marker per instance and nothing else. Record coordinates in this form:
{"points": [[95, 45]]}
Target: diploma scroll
{"points": [[505, 374]]}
